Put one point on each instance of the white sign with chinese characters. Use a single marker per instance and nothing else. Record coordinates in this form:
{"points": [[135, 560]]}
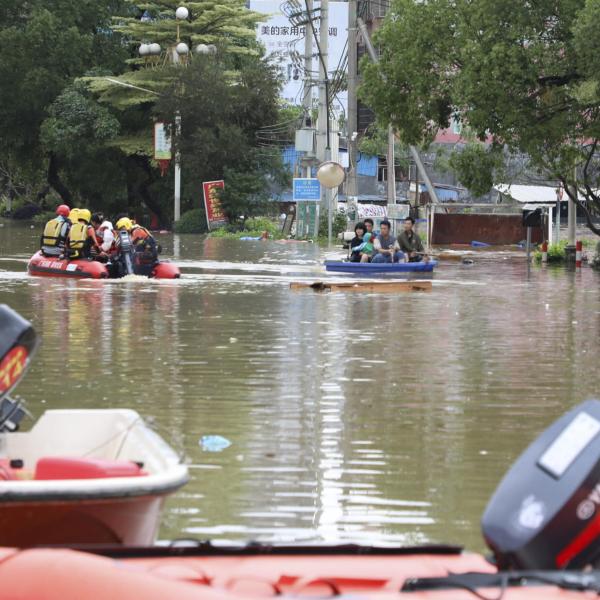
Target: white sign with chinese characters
{"points": [[162, 142], [281, 38]]}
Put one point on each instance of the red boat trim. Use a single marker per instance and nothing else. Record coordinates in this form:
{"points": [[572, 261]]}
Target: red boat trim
{"points": [[33, 269], [582, 541]]}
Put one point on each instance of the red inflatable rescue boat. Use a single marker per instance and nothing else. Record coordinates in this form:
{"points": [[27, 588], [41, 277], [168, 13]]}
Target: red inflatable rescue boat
{"points": [[258, 572], [45, 266]]}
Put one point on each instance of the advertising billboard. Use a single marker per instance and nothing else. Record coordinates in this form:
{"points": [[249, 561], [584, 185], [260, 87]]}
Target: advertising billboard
{"points": [[212, 205], [284, 42]]}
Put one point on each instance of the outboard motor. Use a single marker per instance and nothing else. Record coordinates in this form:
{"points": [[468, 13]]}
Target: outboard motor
{"points": [[126, 251], [18, 343], [545, 514]]}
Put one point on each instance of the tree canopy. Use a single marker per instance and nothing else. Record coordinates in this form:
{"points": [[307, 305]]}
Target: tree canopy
{"points": [[522, 76], [78, 100]]}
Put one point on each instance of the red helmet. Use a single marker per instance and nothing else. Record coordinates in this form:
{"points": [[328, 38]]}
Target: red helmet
{"points": [[63, 210]]}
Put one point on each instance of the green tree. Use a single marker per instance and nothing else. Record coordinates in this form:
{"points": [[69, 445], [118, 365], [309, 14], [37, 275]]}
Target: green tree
{"points": [[221, 113], [154, 86], [43, 47], [523, 76]]}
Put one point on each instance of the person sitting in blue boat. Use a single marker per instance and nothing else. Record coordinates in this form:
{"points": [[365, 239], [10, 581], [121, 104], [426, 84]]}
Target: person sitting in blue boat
{"points": [[410, 243], [365, 250], [387, 249], [369, 225], [357, 240]]}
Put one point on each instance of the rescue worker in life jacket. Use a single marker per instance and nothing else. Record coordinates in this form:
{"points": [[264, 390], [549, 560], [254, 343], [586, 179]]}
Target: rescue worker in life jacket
{"points": [[145, 246], [56, 232], [82, 237], [105, 235]]}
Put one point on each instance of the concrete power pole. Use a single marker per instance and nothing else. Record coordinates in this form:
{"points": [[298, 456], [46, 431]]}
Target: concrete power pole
{"points": [[572, 212], [308, 67], [391, 167], [352, 125], [324, 146]]}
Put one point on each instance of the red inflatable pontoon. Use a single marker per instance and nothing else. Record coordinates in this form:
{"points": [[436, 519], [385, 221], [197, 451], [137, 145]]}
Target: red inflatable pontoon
{"points": [[371, 574], [45, 266]]}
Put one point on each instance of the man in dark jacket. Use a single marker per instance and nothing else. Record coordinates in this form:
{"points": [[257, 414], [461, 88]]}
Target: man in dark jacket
{"points": [[410, 243]]}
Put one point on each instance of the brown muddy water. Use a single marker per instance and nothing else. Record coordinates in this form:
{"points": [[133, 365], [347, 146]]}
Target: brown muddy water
{"points": [[375, 418]]}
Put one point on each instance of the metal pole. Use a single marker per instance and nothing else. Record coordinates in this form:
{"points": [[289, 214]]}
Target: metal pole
{"points": [[391, 162], [528, 247], [177, 208], [324, 126], [572, 213], [352, 124], [557, 224], [323, 83], [308, 67], [417, 158]]}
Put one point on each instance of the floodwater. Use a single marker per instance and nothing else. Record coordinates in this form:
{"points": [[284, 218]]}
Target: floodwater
{"points": [[375, 418]]}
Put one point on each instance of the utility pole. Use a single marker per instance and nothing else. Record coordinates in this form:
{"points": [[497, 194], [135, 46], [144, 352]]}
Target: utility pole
{"points": [[352, 123], [570, 250], [325, 147], [391, 162], [308, 67], [572, 212]]}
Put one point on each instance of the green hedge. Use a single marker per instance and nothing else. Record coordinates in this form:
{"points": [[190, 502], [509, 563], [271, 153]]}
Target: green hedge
{"points": [[192, 221]]}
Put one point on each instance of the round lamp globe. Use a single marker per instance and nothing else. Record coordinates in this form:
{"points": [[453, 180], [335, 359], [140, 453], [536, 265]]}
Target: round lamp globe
{"points": [[182, 13], [330, 174]]}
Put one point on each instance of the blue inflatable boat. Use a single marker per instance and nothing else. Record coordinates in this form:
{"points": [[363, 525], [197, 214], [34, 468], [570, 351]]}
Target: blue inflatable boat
{"points": [[340, 266]]}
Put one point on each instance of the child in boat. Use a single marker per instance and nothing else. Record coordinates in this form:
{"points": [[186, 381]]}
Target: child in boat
{"points": [[365, 250]]}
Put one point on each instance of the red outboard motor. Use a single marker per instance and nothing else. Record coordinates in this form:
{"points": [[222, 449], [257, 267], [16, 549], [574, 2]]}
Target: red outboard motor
{"points": [[18, 343], [545, 513]]}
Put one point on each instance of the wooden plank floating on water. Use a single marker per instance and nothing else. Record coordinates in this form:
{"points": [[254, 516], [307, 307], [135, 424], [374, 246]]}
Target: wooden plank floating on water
{"points": [[363, 286]]}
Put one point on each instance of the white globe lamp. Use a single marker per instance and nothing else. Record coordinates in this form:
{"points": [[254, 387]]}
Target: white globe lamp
{"points": [[182, 13], [155, 48], [330, 174], [144, 49], [182, 49]]}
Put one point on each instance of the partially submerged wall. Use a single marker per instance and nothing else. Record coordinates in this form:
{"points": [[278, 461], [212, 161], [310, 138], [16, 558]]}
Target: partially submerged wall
{"points": [[498, 230]]}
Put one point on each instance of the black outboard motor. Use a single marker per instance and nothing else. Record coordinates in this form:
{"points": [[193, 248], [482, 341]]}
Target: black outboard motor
{"points": [[18, 343], [545, 513], [126, 253]]}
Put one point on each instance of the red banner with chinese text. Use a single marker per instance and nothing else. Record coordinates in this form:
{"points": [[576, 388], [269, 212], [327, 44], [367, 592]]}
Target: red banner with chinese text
{"points": [[212, 205]]}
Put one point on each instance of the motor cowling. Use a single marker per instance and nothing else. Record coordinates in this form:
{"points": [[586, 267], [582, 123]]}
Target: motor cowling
{"points": [[18, 342], [545, 514]]}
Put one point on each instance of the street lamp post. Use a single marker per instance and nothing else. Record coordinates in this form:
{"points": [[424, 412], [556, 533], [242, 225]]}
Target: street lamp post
{"points": [[179, 54]]}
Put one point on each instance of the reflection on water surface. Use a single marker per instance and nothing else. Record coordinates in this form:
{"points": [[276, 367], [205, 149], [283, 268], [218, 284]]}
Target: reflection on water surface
{"points": [[379, 418]]}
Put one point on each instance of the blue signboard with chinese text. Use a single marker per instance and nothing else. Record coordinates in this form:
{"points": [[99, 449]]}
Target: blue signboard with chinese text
{"points": [[307, 190]]}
